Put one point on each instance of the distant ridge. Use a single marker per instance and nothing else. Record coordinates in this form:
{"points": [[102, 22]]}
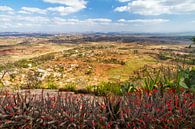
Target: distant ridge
{"points": [[97, 33], [18, 34], [125, 37]]}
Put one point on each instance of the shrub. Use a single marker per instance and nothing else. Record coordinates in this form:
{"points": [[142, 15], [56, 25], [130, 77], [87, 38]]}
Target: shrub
{"points": [[51, 85], [135, 51], [22, 63], [113, 61], [163, 56], [108, 88], [193, 40], [44, 58], [33, 80], [69, 87], [90, 88], [89, 72]]}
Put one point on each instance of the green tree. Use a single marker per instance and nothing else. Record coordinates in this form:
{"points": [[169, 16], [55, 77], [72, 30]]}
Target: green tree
{"points": [[193, 39]]}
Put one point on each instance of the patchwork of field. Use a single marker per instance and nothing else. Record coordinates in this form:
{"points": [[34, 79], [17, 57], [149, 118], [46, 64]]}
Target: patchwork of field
{"points": [[17, 48], [39, 63]]}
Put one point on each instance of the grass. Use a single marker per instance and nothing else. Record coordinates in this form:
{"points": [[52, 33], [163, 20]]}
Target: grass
{"points": [[134, 63], [33, 51], [69, 87]]}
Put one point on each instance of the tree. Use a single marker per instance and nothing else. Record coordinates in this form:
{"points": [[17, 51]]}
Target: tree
{"points": [[193, 40]]}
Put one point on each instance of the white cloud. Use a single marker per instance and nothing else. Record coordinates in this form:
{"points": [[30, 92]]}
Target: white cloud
{"points": [[157, 7], [54, 10], [6, 9], [5, 18], [70, 6], [29, 10], [67, 7], [62, 21], [124, 0], [99, 20], [56, 24], [71, 3], [46, 21], [144, 21], [19, 19], [29, 23], [62, 10]]}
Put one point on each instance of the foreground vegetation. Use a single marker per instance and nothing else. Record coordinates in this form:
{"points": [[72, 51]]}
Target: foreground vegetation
{"points": [[161, 102], [140, 110]]}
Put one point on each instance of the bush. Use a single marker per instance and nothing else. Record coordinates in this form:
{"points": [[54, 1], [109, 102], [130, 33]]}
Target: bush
{"points": [[32, 80], [69, 87], [22, 63], [193, 40], [113, 61], [90, 89], [163, 56], [106, 88], [135, 51], [51, 85]]}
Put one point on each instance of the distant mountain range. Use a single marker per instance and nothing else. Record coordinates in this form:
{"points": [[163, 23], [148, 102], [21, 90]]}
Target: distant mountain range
{"points": [[97, 33], [115, 36], [24, 34]]}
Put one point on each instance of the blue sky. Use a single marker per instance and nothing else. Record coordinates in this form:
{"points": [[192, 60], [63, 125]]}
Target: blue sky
{"points": [[97, 15]]}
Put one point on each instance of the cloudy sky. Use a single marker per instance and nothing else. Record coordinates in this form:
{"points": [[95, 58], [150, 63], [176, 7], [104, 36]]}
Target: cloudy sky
{"points": [[97, 15]]}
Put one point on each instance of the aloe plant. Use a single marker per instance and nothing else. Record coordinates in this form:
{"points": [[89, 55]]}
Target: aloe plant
{"points": [[28, 111], [127, 87], [150, 82]]}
